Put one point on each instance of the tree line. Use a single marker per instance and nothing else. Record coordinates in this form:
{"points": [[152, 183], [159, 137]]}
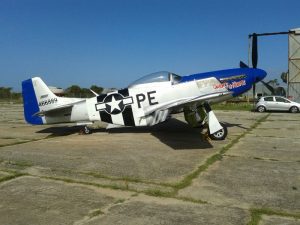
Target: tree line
{"points": [[76, 91], [6, 93]]}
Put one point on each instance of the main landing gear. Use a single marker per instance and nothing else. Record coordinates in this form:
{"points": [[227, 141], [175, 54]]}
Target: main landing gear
{"points": [[203, 117], [219, 135]]}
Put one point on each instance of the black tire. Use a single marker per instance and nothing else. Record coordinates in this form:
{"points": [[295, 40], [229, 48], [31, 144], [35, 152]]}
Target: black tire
{"points": [[86, 130], [294, 109], [261, 109], [219, 135]]}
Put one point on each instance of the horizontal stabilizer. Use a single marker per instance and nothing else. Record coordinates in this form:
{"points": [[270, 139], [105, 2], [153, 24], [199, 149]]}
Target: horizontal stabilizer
{"points": [[45, 112]]}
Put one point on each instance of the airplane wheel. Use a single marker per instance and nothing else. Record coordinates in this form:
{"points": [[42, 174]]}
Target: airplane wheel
{"points": [[86, 130], [219, 135]]}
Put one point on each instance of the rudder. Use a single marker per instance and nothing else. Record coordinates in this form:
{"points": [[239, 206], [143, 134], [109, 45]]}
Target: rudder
{"points": [[30, 103], [36, 97]]}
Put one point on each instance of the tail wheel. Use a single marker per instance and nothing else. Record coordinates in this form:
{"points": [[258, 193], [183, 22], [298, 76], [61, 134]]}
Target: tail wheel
{"points": [[85, 130], [294, 109], [261, 108], [219, 135]]}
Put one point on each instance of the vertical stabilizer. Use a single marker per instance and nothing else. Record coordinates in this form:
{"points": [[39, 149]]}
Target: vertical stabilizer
{"points": [[36, 97]]}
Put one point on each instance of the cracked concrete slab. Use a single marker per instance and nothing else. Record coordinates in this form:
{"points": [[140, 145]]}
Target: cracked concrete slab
{"points": [[279, 116], [46, 201], [238, 122], [279, 133], [277, 220], [273, 148], [29, 200], [283, 122], [13, 128], [138, 156], [164, 153], [249, 183], [143, 211], [161, 154]]}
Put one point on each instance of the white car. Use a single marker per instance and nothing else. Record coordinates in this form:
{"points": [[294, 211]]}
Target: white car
{"points": [[277, 103]]}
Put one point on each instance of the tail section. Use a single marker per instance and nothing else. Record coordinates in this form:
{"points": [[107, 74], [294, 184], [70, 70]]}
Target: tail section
{"points": [[36, 97]]}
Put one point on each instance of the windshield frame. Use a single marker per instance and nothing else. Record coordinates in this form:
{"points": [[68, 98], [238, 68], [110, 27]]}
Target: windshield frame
{"points": [[157, 77]]}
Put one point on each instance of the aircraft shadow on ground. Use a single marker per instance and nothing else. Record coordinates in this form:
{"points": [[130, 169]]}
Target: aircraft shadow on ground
{"points": [[174, 133], [60, 131], [228, 125]]}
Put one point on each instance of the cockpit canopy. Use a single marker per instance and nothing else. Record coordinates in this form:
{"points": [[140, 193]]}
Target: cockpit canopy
{"points": [[162, 76]]}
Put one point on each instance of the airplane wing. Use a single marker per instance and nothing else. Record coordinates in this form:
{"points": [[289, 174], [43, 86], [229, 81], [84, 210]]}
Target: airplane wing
{"points": [[183, 102], [65, 106]]}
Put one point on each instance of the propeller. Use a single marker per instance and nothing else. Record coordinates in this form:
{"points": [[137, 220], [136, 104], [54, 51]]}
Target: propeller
{"points": [[243, 65], [254, 52], [269, 87], [254, 57]]}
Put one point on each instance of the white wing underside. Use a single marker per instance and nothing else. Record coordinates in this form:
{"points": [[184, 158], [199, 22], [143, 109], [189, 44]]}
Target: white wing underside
{"points": [[183, 102]]}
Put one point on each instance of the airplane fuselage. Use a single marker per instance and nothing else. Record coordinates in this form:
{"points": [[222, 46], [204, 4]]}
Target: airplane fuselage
{"points": [[147, 102]]}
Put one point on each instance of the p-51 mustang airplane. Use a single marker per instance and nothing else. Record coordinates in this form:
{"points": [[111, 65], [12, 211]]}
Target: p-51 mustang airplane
{"points": [[146, 102]]}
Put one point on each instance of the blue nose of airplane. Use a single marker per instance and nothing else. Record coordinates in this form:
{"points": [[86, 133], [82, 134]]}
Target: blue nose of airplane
{"points": [[259, 75]]}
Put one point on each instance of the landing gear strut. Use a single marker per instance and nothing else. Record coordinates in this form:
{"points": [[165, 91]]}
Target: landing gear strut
{"points": [[203, 117], [216, 130]]}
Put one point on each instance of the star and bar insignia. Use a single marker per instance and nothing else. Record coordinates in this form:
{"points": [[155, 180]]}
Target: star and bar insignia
{"points": [[114, 103]]}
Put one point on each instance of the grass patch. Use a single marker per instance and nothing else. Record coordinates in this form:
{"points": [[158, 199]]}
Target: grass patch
{"points": [[125, 179], [71, 181], [151, 192], [20, 142], [119, 201], [186, 199], [95, 213], [256, 214], [15, 143], [233, 106], [159, 193], [10, 177], [187, 181], [22, 164]]}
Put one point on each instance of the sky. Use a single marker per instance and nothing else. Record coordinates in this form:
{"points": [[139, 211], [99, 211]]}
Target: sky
{"points": [[112, 43]]}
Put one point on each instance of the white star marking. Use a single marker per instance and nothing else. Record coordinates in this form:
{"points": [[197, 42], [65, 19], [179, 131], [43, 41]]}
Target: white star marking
{"points": [[114, 104]]}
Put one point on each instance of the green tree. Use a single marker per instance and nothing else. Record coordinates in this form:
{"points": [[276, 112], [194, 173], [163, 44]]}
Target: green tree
{"points": [[96, 89], [86, 93], [5, 92], [73, 91]]}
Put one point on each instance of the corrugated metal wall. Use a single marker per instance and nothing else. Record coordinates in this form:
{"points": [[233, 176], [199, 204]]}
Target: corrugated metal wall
{"points": [[294, 65]]}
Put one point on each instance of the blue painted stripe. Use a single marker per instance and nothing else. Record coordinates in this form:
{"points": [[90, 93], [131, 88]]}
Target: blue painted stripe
{"points": [[30, 103], [217, 74], [251, 77]]}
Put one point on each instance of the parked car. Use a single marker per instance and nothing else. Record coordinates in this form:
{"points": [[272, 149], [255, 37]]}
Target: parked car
{"points": [[277, 103]]}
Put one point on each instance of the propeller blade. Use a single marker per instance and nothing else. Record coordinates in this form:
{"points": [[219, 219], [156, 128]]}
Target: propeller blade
{"points": [[243, 65], [253, 97], [254, 50], [269, 87], [254, 87]]}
